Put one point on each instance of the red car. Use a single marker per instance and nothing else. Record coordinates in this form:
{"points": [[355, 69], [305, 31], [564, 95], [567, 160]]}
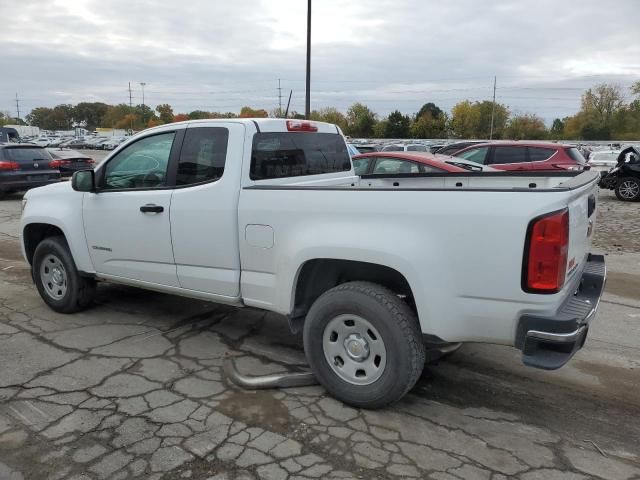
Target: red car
{"points": [[402, 162], [525, 156]]}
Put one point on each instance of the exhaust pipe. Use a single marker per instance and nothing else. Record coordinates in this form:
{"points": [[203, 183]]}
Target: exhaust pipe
{"points": [[261, 382]]}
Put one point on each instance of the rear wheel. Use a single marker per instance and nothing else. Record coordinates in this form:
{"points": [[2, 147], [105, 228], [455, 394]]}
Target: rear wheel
{"points": [[57, 279], [628, 189], [363, 344]]}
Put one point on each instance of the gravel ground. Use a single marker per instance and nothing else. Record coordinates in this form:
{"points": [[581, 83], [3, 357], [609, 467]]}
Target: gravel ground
{"points": [[133, 388]]}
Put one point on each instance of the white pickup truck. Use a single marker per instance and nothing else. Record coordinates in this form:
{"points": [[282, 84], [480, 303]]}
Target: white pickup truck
{"points": [[268, 214]]}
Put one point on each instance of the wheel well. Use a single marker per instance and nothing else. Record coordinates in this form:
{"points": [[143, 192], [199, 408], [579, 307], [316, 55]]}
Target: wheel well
{"points": [[34, 233], [319, 275]]}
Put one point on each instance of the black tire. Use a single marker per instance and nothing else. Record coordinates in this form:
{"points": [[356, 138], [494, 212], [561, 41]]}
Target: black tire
{"points": [[398, 328], [79, 291], [628, 189]]}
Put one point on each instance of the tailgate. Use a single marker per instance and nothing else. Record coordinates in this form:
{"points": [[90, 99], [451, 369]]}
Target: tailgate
{"points": [[582, 217]]}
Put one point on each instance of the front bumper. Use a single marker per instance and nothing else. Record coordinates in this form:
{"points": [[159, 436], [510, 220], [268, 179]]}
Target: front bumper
{"points": [[550, 342]]}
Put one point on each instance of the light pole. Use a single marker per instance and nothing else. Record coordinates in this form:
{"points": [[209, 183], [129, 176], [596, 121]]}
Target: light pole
{"points": [[307, 105], [142, 84]]}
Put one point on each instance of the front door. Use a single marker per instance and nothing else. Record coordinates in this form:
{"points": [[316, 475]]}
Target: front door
{"points": [[127, 221]]}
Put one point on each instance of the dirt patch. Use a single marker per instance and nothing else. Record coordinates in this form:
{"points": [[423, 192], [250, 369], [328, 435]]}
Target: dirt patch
{"points": [[618, 224], [258, 408], [623, 285]]}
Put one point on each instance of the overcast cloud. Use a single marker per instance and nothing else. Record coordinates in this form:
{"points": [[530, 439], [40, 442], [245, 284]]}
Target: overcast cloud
{"points": [[221, 55]]}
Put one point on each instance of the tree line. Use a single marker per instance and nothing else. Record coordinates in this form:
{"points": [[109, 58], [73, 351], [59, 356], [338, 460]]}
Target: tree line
{"points": [[604, 114]]}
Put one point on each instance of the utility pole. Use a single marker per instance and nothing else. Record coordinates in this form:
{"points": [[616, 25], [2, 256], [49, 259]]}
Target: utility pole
{"points": [[130, 102], [307, 105], [493, 108], [279, 98], [142, 84], [18, 107]]}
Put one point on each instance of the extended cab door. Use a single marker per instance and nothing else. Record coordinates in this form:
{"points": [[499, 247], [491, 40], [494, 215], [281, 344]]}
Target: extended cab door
{"points": [[204, 209], [127, 221]]}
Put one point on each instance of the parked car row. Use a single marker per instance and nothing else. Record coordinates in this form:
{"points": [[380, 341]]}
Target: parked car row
{"points": [[89, 142], [24, 166]]}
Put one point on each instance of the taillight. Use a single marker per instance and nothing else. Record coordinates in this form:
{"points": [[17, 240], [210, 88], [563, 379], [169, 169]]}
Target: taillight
{"points": [[546, 248], [90, 161], [9, 165], [301, 126], [58, 163]]}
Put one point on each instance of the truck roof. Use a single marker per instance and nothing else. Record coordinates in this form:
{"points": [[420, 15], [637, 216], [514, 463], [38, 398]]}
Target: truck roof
{"points": [[262, 124]]}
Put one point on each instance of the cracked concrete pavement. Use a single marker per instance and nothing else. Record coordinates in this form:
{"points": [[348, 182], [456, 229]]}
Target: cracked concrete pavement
{"points": [[134, 388]]}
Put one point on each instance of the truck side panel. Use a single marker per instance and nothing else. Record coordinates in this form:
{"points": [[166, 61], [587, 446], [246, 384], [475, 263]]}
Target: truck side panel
{"points": [[460, 251]]}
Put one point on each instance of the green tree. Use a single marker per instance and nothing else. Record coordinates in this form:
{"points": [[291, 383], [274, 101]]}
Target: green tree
{"points": [[330, 115], [114, 114], [199, 115], [431, 109], [465, 119], [602, 102], [360, 121], [397, 125], [89, 114], [165, 112], [526, 127], [248, 112], [426, 126], [500, 119], [557, 129], [380, 129], [39, 116]]}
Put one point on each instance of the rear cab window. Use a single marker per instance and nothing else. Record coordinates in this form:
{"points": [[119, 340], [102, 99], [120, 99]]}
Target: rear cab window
{"points": [[296, 154]]}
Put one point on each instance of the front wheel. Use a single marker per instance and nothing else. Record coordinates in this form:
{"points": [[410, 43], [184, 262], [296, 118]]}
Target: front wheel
{"points": [[363, 344], [57, 279], [628, 189]]}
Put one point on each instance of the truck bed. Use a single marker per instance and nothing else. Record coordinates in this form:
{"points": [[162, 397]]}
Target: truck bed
{"points": [[471, 181]]}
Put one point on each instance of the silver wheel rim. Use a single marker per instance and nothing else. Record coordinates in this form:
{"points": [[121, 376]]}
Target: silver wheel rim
{"points": [[354, 349], [53, 276], [629, 189]]}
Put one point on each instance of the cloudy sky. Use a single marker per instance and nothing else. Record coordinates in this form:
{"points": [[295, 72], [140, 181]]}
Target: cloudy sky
{"points": [[220, 55]]}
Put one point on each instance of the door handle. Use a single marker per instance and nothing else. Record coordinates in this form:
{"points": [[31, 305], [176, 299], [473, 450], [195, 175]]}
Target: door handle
{"points": [[151, 208]]}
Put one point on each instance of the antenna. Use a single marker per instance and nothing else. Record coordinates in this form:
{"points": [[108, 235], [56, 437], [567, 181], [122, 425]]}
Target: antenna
{"points": [[286, 113]]}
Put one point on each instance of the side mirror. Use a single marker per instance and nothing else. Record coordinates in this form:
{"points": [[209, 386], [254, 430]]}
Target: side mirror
{"points": [[84, 181]]}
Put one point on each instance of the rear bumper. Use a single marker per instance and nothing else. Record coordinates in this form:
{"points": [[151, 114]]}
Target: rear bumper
{"points": [[550, 342]]}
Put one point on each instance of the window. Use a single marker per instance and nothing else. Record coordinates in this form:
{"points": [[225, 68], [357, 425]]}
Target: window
{"points": [[203, 155], [503, 155], [21, 154], [293, 154], [393, 148], [393, 165], [539, 154], [575, 155], [416, 148], [142, 164], [361, 165], [477, 155]]}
